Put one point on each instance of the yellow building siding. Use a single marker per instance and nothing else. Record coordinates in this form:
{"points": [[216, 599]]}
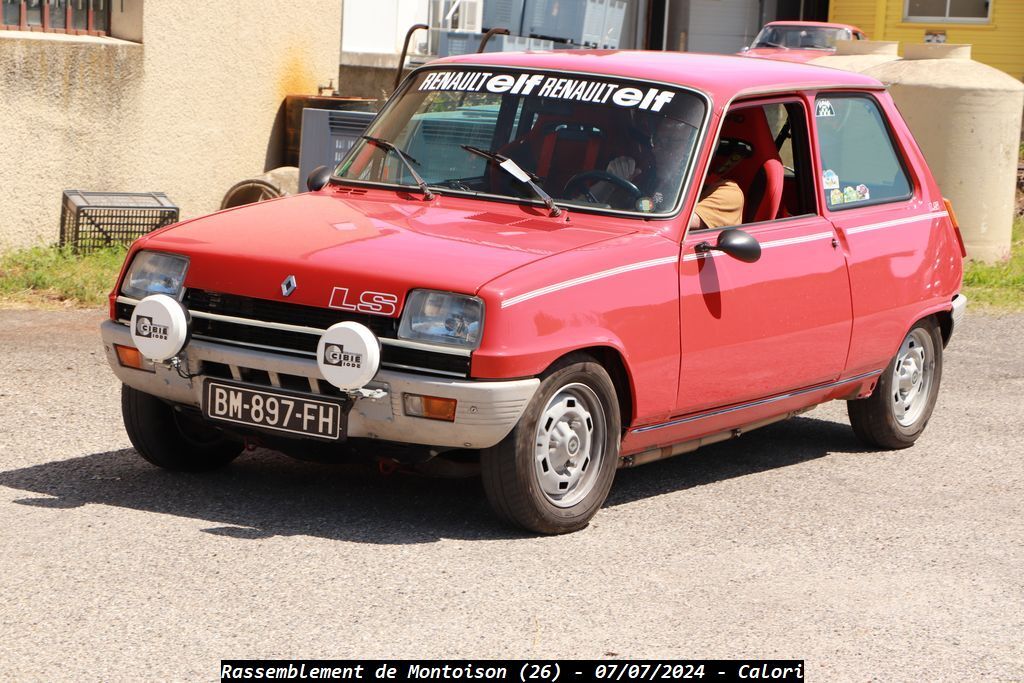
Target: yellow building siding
{"points": [[860, 13], [998, 43]]}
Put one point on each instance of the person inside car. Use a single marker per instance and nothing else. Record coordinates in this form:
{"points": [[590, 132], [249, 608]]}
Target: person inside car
{"points": [[720, 204], [721, 200]]}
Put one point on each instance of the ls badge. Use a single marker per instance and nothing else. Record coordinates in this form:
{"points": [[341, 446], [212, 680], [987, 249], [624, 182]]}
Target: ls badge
{"points": [[289, 285]]}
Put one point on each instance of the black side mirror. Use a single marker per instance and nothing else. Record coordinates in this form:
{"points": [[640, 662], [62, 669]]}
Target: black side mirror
{"points": [[318, 178], [736, 243]]}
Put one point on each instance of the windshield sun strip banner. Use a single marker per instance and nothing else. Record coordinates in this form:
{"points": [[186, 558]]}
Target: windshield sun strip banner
{"points": [[686, 104], [618, 92], [554, 87]]}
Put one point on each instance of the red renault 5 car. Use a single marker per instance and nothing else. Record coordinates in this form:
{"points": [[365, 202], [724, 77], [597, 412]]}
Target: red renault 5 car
{"points": [[555, 265]]}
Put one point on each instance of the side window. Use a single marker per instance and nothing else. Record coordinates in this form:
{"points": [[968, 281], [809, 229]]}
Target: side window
{"points": [[761, 169], [859, 163], [57, 16]]}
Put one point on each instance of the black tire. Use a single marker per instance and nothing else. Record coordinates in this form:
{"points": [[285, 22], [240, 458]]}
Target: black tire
{"points": [[876, 420], [169, 439], [511, 470]]}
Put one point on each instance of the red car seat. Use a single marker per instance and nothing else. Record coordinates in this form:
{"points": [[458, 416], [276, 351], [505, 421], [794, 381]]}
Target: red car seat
{"points": [[557, 148], [761, 175]]}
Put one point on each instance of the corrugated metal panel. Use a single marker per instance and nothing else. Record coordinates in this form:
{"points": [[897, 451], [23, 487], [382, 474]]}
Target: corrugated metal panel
{"points": [[722, 26]]}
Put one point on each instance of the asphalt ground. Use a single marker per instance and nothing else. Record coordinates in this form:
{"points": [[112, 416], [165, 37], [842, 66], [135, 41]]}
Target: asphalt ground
{"points": [[791, 542]]}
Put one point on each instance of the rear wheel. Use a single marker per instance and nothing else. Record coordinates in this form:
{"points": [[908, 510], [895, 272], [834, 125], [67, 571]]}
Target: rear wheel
{"points": [[895, 415], [553, 472], [170, 439]]}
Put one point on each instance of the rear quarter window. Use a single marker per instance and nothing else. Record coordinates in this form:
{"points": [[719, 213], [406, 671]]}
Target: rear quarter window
{"points": [[859, 160]]}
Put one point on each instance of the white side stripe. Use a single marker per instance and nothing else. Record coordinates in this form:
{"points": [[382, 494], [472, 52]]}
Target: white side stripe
{"points": [[798, 240], [711, 254], [768, 245], [898, 221], [588, 278], [706, 254]]}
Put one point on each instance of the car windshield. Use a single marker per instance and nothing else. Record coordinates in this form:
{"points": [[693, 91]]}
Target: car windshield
{"points": [[582, 141], [812, 37]]}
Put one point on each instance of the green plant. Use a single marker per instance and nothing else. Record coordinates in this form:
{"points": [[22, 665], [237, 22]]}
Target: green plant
{"points": [[999, 285], [54, 275]]}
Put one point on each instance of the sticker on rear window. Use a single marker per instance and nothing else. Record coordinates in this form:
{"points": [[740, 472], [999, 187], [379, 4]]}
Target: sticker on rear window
{"points": [[824, 108], [835, 197], [830, 180], [863, 192]]}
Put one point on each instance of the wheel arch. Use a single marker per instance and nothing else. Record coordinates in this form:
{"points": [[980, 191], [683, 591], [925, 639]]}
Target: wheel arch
{"points": [[612, 360], [945, 320], [941, 314]]}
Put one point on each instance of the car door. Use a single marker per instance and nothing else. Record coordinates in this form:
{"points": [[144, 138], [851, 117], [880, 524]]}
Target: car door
{"points": [[893, 225], [755, 330]]}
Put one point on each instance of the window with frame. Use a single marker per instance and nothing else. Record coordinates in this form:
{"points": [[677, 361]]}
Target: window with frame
{"points": [[947, 10], [860, 162], [761, 169], [76, 17], [631, 154]]}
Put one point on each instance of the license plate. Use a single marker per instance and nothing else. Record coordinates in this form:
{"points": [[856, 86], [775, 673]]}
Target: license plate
{"points": [[274, 410]]}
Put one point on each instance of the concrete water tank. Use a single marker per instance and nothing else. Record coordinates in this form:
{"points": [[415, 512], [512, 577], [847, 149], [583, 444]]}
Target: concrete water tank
{"points": [[967, 119], [858, 55]]}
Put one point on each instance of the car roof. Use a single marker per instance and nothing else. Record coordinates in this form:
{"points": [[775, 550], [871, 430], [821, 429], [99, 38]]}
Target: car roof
{"points": [[722, 77], [819, 24]]}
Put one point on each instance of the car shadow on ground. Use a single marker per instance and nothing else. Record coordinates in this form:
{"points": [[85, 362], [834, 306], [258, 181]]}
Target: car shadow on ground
{"points": [[265, 494], [782, 444]]}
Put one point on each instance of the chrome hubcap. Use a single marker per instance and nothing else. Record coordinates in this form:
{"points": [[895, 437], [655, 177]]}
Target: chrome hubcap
{"points": [[912, 377], [570, 444]]}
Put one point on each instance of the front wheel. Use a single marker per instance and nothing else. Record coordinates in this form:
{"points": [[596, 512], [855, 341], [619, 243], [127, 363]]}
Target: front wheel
{"points": [[553, 472], [170, 439], [895, 415]]}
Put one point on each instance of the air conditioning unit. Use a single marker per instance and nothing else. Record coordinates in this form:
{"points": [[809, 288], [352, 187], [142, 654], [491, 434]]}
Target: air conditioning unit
{"points": [[445, 16], [584, 23], [504, 14]]}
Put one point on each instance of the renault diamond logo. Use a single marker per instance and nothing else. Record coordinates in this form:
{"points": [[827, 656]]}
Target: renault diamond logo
{"points": [[289, 285]]}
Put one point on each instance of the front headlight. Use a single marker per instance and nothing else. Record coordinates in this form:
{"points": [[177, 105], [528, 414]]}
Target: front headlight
{"points": [[442, 318], [153, 272]]}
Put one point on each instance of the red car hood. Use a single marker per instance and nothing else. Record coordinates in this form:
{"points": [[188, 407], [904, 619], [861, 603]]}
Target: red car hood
{"points": [[784, 54], [368, 242]]}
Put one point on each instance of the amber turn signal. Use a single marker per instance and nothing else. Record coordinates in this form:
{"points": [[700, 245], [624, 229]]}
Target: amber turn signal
{"points": [[430, 407], [129, 357], [956, 226]]}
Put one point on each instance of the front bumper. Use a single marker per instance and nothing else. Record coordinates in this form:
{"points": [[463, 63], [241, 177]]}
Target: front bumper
{"points": [[486, 411]]}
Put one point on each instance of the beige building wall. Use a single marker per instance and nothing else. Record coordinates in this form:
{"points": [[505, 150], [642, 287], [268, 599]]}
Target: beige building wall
{"points": [[192, 109]]}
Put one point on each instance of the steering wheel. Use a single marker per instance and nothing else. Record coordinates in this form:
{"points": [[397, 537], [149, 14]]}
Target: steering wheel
{"points": [[583, 178]]}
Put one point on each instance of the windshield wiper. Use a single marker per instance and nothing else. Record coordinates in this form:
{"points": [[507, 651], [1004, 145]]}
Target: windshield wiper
{"points": [[768, 43], [513, 169], [407, 160]]}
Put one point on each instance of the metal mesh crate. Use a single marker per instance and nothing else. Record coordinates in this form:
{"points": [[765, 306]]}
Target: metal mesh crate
{"points": [[94, 220]]}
